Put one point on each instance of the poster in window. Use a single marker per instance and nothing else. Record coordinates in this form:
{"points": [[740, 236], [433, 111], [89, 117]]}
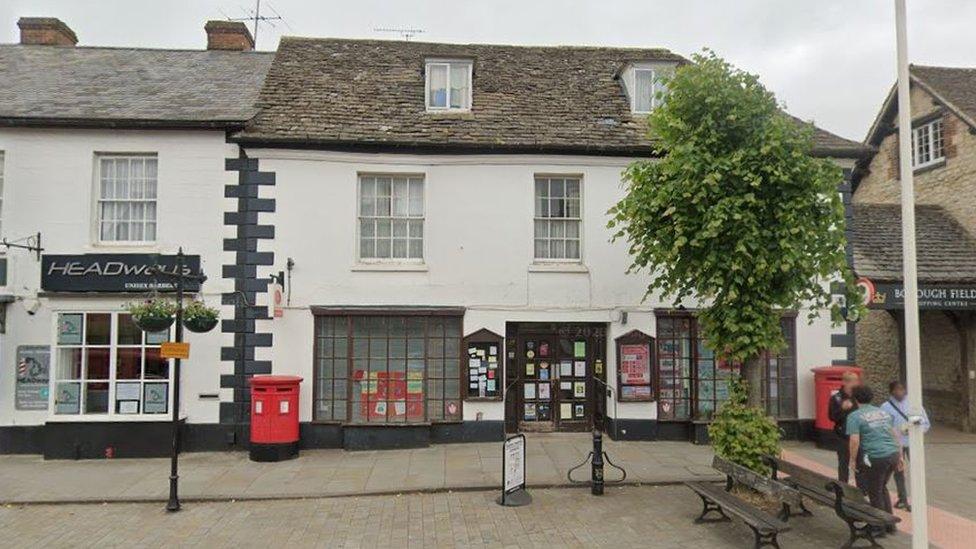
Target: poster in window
{"points": [[529, 390], [544, 412], [579, 389], [33, 377], [580, 412], [544, 391], [635, 364], [635, 392], [579, 368], [579, 349], [126, 391], [566, 368], [565, 410], [128, 407], [530, 412], [69, 328], [544, 371], [68, 398], [154, 398], [543, 348]]}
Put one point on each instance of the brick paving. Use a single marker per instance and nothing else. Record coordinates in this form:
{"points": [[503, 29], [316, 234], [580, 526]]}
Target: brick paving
{"points": [[323, 473], [659, 516]]}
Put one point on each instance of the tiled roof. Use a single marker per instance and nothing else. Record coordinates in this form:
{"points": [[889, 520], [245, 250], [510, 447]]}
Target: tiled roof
{"points": [[955, 85], [946, 251], [338, 92], [122, 86]]}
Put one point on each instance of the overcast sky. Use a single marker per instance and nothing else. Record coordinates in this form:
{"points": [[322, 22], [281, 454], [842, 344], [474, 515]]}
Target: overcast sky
{"points": [[831, 61]]}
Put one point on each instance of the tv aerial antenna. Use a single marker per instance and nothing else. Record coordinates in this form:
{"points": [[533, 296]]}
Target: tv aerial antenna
{"points": [[406, 33], [255, 18]]}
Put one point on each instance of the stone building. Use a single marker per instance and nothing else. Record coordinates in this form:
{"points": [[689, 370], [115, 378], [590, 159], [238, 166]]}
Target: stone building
{"points": [[944, 158]]}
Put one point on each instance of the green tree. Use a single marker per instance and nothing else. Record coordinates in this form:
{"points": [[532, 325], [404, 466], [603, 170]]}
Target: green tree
{"points": [[736, 212]]}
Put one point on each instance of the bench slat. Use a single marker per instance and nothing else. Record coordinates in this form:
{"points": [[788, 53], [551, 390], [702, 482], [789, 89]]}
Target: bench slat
{"points": [[775, 489], [731, 504], [815, 486]]}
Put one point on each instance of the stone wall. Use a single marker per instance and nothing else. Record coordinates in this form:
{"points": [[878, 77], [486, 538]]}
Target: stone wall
{"points": [[952, 186], [877, 350]]}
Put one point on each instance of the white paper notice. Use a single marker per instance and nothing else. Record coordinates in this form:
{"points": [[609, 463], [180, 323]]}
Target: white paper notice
{"points": [[514, 463], [530, 390]]}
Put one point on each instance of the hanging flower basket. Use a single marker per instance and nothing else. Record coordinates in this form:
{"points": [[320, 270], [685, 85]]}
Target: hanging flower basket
{"points": [[199, 318], [152, 315]]}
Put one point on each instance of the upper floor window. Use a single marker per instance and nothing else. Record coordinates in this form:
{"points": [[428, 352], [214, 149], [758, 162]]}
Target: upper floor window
{"points": [[557, 218], [391, 217], [927, 144], [448, 85], [126, 208]]}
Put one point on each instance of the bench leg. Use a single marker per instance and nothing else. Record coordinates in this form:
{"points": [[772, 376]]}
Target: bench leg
{"points": [[860, 532], [762, 540], [709, 507], [804, 512]]}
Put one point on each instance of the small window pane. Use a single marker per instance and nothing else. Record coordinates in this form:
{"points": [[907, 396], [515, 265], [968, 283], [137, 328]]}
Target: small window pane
{"points": [[459, 86], [643, 90], [437, 86]]}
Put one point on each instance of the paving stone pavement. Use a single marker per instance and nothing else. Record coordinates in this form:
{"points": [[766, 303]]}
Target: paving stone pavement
{"points": [[322, 473], [657, 517]]}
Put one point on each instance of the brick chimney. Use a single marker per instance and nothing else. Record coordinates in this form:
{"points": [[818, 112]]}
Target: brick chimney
{"points": [[228, 35], [45, 31]]}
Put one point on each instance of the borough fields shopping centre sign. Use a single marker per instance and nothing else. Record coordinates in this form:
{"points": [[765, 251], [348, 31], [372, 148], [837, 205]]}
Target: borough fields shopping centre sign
{"points": [[113, 272]]}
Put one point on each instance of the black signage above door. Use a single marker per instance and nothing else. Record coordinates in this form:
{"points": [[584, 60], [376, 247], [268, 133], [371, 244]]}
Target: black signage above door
{"points": [[934, 296], [113, 273]]}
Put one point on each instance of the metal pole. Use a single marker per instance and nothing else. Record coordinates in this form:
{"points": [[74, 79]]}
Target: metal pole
{"points": [[920, 535], [174, 500], [596, 471]]}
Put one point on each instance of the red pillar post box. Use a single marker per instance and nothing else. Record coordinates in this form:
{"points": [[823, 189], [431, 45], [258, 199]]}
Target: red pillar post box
{"points": [[274, 417], [828, 380]]}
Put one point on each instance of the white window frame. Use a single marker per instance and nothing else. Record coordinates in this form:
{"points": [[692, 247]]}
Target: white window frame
{"points": [[469, 66], [933, 139], [112, 414], [97, 199], [535, 218], [412, 261]]}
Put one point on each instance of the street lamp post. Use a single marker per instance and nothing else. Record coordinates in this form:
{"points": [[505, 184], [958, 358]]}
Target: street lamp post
{"points": [[174, 500], [912, 344]]}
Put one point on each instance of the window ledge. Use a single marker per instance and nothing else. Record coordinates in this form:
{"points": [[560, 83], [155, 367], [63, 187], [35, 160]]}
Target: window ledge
{"points": [[390, 267], [929, 167], [558, 268]]}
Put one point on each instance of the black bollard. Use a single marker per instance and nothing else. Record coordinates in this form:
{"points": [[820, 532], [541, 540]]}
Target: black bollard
{"points": [[596, 487]]}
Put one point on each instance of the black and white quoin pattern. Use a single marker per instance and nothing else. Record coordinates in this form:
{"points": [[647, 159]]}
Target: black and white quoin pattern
{"points": [[846, 339], [247, 287]]}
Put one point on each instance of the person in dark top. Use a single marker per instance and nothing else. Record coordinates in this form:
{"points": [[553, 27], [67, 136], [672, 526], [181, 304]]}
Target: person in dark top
{"points": [[841, 404], [872, 434]]}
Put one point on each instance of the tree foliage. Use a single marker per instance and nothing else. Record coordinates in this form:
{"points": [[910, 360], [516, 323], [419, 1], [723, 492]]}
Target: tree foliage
{"points": [[744, 434], [736, 211]]}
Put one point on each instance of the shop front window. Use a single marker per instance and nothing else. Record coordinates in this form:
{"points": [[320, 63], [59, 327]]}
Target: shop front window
{"points": [[106, 365], [694, 382], [387, 369]]}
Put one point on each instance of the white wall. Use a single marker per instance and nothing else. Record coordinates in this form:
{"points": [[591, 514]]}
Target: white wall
{"points": [[478, 254], [478, 240], [49, 188]]}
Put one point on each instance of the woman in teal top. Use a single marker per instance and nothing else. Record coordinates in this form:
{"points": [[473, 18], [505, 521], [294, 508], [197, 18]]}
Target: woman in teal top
{"points": [[871, 431]]}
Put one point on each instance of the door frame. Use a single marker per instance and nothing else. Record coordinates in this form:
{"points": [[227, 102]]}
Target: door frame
{"points": [[595, 334]]}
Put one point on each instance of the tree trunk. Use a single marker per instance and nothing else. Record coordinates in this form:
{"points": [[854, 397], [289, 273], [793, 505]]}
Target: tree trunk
{"points": [[752, 375]]}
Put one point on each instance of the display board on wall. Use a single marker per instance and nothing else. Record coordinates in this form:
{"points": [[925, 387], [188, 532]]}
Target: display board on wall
{"points": [[483, 371], [635, 379], [33, 377]]}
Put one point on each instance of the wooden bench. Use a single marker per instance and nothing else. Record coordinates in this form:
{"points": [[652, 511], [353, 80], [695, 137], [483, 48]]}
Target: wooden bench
{"points": [[764, 526], [848, 502], [787, 496]]}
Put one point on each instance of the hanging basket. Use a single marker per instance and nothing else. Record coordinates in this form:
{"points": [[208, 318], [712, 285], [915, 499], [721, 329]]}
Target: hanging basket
{"points": [[199, 324], [153, 324]]}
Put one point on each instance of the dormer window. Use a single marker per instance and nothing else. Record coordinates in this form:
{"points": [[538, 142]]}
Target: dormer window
{"points": [[643, 82], [448, 85]]}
